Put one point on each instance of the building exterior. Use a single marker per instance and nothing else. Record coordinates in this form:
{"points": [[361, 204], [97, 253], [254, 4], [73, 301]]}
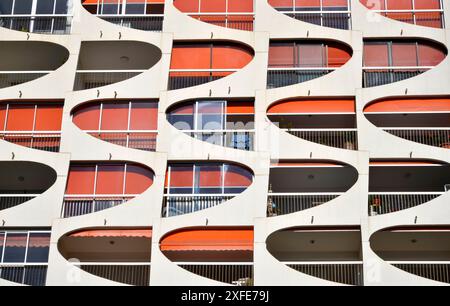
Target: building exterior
{"points": [[213, 142]]}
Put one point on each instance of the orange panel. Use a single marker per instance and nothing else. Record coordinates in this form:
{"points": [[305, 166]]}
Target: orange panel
{"points": [[334, 3], [110, 179], [304, 164], [311, 55], [429, 19], [2, 116], [404, 54], [409, 105], [230, 56], [144, 116], [185, 109], [240, 6], [226, 239], [115, 116], [194, 56], [81, 180], [307, 3], [181, 176], [209, 175], [138, 233], [313, 106], [399, 4], [281, 55], [138, 179], [402, 163], [245, 107], [49, 118], [338, 55], [376, 55], [87, 117], [236, 176], [281, 3], [427, 4], [187, 6], [430, 54], [213, 6], [20, 117]]}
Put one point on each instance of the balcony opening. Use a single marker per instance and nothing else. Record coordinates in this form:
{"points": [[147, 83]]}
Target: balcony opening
{"points": [[194, 63], [327, 13], [37, 16], [329, 122], [25, 61], [129, 123], [191, 187], [22, 181], [389, 61], [223, 254], [423, 120], [232, 14], [24, 255], [419, 250], [428, 13], [395, 185], [299, 185], [36, 124], [103, 63], [330, 253], [146, 15], [93, 187], [118, 254], [294, 62], [228, 123]]}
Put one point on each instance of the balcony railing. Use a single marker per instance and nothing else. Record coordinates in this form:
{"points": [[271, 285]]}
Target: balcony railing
{"points": [[237, 21], [42, 24], [26, 274], [332, 19], [77, 205], [431, 17], [287, 203], [436, 137], [176, 205], [381, 203], [12, 200], [135, 274], [152, 23], [141, 140], [183, 78], [377, 76], [343, 272], [88, 79], [435, 270], [236, 139], [13, 78], [337, 138], [234, 273], [42, 140], [280, 77]]}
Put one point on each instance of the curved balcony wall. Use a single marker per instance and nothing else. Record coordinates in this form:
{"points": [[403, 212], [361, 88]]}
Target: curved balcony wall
{"points": [[423, 251], [103, 63], [390, 61], [327, 13], [121, 255], [22, 181], [224, 254], [330, 122], [232, 14], [300, 185], [293, 62], [92, 187], [192, 187], [25, 61], [196, 63], [146, 15], [223, 122], [128, 123]]}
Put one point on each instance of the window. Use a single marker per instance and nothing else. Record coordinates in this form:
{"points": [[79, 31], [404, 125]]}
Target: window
{"points": [[35, 7], [310, 5], [122, 7], [38, 247], [15, 247]]}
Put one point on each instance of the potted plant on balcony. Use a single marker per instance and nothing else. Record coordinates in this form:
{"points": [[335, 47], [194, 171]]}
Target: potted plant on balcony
{"points": [[375, 205]]}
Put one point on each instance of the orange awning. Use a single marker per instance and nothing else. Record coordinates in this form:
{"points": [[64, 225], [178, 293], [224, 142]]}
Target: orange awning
{"points": [[134, 233], [223, 239], [409, 105], [313, 106], [304, 164]]}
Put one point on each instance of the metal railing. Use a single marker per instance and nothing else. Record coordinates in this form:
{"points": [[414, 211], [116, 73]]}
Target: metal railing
{"points": [[436, 137], [435, 270], [181, 78], [280, 77], [135, 274], [337, 138], [26, 274], [42, 24], [381, 203], [152, 23], [12, 200], [348, 273], [141, 140], [13, 78], [77, 205], [237, 21], [377, 76], [332, 19], [236, 139], [234, 273], [45, 141], [88, 79], [176, 205], [430, 18], [279, 204]]}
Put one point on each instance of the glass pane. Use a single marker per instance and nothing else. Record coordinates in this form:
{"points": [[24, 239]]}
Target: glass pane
{"points": [[111, 8], [45, 7], [23, 7], [6, 7], [135, 8], [208, 179], [210, 115], [2, 238], [63, 7], [15, 247], [38, 247], [311, 56]]}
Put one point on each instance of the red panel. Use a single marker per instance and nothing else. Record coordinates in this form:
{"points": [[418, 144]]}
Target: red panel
{"points": [[240, 6], [430, 54], [334, 3], [136, 233], [314, 106], [338, 55], [427, 4], [230, 57], [115, 116], [429, 19], [191, 56], [404, 54], [376, 55], [213, 6], [181, 176], [307, 3], [246, 107], [410, 105], [281, 55], [281, 3], [20, 117], [87, 117], [2, 116], [209, 176], [236, 176], [110, 179], [311, 55], [144, 116], [138, 179], [399, 4], [81, 180], [187, 6], [49, 118]]}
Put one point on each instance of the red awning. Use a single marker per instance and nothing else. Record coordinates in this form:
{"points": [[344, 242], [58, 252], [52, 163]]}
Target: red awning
{"points": [[134, 233], [313, 106], [409, 106]]}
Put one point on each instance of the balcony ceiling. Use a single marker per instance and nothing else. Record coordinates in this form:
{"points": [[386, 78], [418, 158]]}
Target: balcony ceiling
{"points": [[25, 177]]}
